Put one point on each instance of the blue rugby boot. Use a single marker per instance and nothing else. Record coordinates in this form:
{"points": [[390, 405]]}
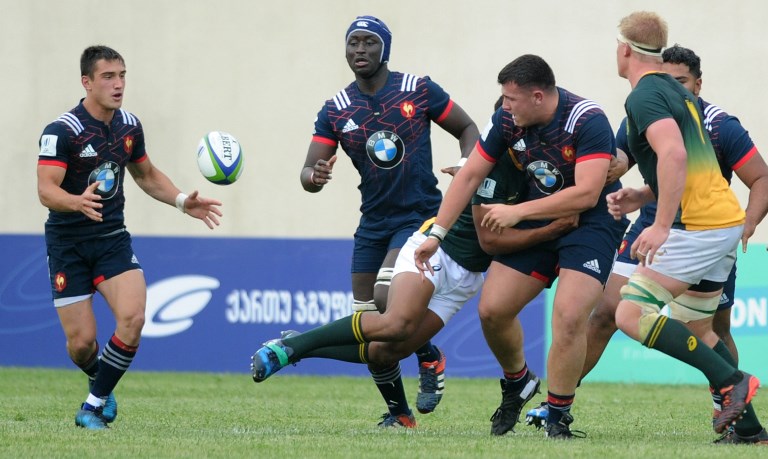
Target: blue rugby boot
{"points": [[537, 417], [109, 411], [269, 359], [431, 384], [90, 419]]}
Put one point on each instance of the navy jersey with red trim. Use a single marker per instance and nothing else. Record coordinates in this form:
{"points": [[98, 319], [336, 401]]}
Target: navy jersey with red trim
{"points": [[387, 137], [732, 143], [91, 150], [579, 131]]}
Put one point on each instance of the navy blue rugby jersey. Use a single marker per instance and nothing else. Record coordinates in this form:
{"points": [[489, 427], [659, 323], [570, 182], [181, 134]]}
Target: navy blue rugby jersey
{"points": [[387, 137], [91, 150], [579, 131], [732, 143]]}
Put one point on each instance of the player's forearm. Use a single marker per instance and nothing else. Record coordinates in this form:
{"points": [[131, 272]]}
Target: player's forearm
{"points": [[570, 201], [55, 198], [159, 186], [468, 139], [513, 240], [757, 206], [671, 173]]}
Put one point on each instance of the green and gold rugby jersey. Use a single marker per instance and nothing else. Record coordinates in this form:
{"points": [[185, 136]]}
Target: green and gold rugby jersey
{"points": [[708, 202], [504, 185]]}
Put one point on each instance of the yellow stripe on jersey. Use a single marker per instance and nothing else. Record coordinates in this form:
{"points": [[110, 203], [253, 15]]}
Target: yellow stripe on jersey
{"points": [[695, 115]]}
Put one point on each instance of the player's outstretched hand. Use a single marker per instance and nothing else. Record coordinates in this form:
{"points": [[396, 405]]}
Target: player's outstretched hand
{"points": [[205, 209], [88, 203], [500, 216], [322, 170]]}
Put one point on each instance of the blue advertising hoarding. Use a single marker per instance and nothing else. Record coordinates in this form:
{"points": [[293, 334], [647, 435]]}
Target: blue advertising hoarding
{"points": [[211, 302]]}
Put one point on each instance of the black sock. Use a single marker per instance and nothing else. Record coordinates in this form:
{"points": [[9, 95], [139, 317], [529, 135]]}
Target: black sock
{"points": [[558, 406], [115, 360], [515, 382], [390, 384], [427, 353], [91, 367]]}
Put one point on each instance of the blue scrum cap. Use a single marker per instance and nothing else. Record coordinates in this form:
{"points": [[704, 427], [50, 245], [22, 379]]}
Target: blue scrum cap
{"points": [[375, 26]]}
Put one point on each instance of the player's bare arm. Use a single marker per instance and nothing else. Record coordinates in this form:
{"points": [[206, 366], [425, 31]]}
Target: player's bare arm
{"points": [[666, 140], [461, 126], [52, 196], [627, 200], [619, 166], [512, 240], [590, 179], [156, 184], [318, 166], [754, 174], [460, 191]]}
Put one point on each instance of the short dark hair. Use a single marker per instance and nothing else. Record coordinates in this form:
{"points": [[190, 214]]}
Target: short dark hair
{"points": [[93, 54], [679, 55], [526, 71]]}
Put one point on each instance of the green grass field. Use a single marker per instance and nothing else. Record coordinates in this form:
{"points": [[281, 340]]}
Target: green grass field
{"points": [[227, 415]]}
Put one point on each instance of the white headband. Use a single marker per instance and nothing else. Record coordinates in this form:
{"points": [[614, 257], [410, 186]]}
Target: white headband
{"points": [[640, 47]]}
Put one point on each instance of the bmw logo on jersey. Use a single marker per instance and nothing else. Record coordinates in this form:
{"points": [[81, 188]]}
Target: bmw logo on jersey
{"points": [[385, 149], [547, 177], [108, 175]]}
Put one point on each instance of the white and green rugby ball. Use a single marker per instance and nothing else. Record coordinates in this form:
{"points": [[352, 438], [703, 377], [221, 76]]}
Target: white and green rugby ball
{"points": [[220, 158]]}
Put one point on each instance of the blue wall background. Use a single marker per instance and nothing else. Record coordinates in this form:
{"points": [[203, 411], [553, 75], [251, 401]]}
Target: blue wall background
{"points": [[213, 301]]}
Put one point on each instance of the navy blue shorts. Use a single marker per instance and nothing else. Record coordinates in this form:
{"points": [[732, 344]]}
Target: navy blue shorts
{"points": [[76, 268], [590, 249], [373, 244], [729, 288]]}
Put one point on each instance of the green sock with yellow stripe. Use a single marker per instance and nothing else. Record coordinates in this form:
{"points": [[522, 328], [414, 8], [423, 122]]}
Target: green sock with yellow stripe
{"points": [[342, 332], [674, 339]]}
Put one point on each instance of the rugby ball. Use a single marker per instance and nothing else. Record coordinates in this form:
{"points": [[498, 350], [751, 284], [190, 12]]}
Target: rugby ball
{"points": [[220, 158]]}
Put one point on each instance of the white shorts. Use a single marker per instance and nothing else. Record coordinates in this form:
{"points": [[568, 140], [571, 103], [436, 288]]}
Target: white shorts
{"points": [[454, 285], [693, 256], [624, 269]]}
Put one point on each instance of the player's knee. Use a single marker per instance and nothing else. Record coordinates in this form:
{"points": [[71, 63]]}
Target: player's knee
{"points": [[400, 328], [491, 314], [387, 354], [81, 347], [603, 318], [649, 296], [131, 324]]}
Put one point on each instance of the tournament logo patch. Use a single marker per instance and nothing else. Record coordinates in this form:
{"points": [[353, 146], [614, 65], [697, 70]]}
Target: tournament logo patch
{"points": [[108, 176], [385, 149], [60, 282], [128, 144], [546, 176], [407, 109], [569, 153]]}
